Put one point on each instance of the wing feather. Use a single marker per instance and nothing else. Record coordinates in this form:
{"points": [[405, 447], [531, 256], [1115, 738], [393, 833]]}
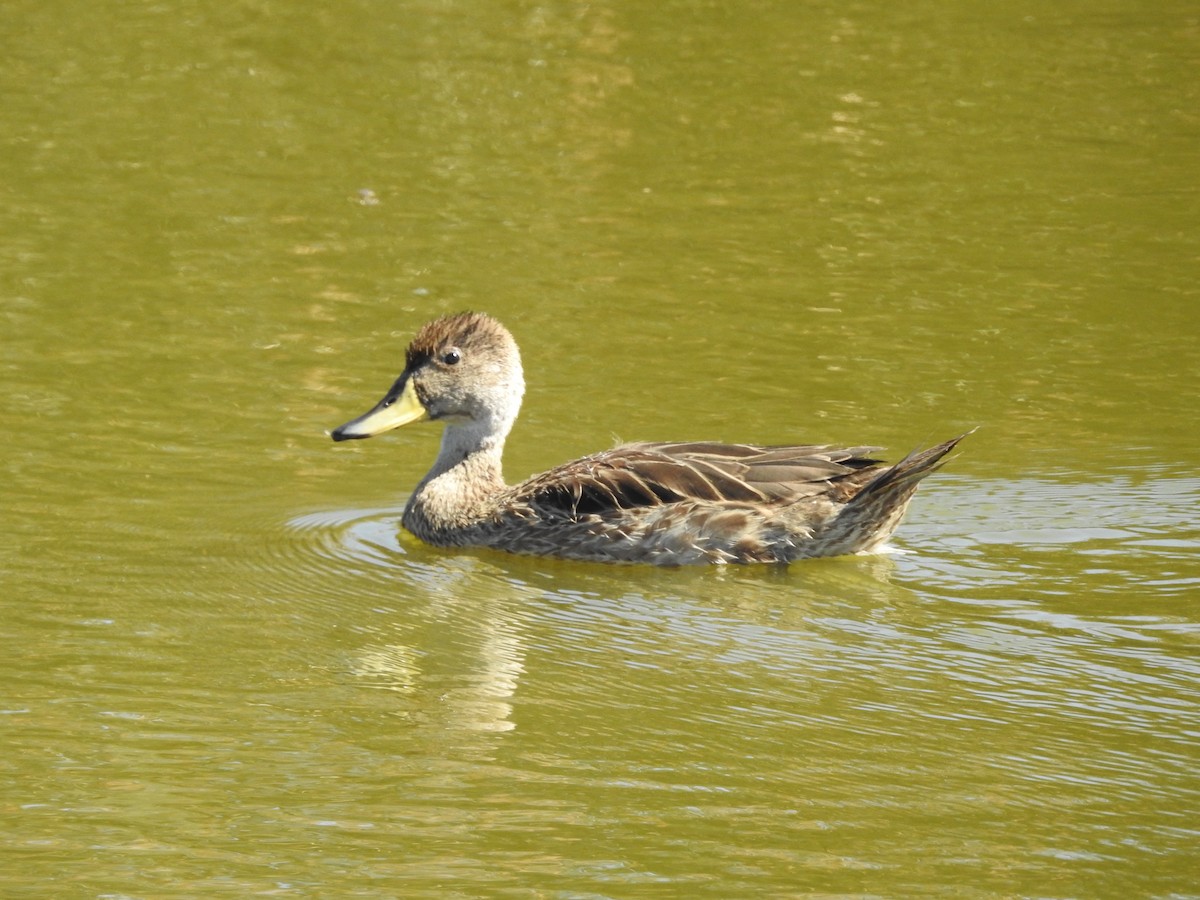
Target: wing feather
{"points": [[654, 474]]}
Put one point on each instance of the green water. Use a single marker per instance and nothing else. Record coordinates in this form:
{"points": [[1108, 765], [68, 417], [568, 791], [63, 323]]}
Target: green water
{"points": [[226, 673]]}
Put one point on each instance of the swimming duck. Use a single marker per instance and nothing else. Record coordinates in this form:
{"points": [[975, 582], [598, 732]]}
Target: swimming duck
{"points": [[664, 503]]}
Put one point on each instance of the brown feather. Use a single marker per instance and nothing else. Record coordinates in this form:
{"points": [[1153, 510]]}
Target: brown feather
{"points": [[668, 503], [646, 474]]}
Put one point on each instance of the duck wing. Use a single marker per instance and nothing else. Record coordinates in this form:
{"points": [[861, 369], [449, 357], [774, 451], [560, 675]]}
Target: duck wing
{"points": [[653, 474]]}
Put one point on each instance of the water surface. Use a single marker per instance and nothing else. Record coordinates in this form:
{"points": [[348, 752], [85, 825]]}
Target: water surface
{"points": [[228, 673]]}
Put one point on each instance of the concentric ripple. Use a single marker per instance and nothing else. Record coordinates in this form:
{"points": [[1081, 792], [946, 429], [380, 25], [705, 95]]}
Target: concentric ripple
{"points": [[330, 554], [360, 537]]}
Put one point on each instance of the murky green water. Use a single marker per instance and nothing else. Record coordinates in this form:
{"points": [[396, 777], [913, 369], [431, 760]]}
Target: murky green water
{"points": [[225, 672]]}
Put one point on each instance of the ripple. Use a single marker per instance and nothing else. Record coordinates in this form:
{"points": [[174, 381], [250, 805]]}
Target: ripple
{"points": [[360, 537], [1128, 537], [369, 549]]}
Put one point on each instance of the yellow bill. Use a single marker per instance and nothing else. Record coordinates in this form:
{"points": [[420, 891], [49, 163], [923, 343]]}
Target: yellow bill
{"points": [[400, 407]]}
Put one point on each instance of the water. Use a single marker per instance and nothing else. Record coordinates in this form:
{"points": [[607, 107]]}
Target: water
{"points": [[229, 674]]}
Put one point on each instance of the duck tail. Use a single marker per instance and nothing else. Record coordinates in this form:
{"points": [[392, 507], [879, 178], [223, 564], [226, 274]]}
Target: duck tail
{"points": [[875, 512], [902, 478]]}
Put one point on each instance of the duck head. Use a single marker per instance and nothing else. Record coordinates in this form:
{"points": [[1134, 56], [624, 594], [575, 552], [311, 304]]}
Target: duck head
{"points": [[464, 370]]}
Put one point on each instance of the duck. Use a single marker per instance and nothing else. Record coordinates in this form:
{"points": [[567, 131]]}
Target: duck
{"points": [[664, 503]]}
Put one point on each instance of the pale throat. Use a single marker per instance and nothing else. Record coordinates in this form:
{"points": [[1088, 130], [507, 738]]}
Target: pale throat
{"points": [[472, 449], [465, 478]]}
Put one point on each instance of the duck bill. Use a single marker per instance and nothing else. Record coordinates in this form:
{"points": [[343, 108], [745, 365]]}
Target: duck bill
{"points": [[400, 407]]}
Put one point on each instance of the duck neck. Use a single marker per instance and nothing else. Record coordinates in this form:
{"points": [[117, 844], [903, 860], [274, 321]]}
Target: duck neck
{"points": [[458, 489]]}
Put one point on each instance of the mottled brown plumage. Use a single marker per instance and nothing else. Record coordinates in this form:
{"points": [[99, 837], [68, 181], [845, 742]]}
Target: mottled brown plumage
{"points": [[664, 503]]}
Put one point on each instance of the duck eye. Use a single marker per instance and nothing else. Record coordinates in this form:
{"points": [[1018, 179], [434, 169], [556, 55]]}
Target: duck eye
{"points": [[451, 356]]}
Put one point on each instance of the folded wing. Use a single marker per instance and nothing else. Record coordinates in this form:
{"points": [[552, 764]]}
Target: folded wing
{"points": [[654, 474]]}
